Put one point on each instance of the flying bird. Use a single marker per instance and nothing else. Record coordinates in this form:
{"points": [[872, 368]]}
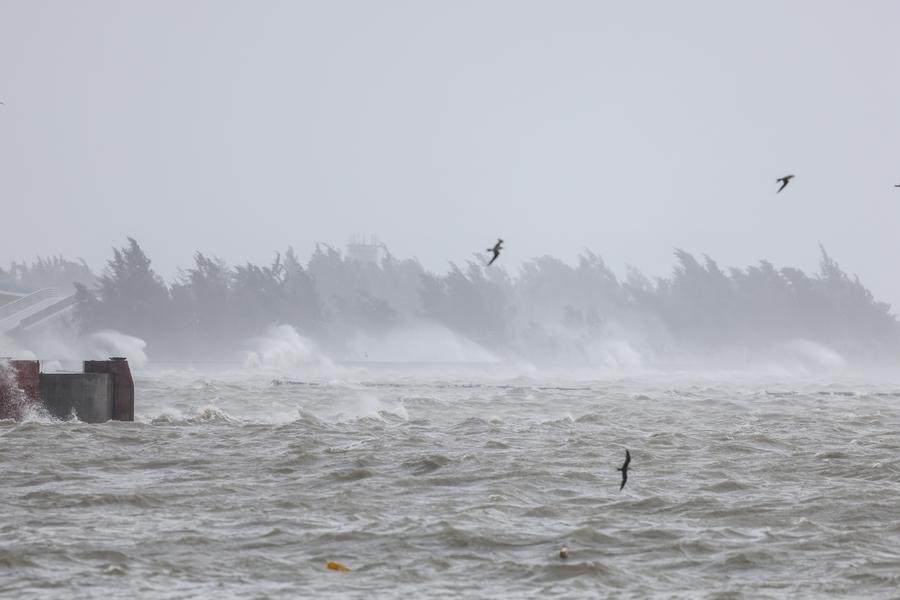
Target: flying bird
{"points": [[784, 181], [496, 250], [624, 468]]}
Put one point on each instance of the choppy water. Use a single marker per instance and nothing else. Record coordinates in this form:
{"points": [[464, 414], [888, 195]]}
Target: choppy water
{"points": [[243, 485]]}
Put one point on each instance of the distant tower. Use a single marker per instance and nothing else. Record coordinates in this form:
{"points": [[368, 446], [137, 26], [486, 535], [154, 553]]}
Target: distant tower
{"points": [[365, 250]]}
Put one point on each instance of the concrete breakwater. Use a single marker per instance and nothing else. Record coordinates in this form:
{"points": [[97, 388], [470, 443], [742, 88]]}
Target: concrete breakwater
{"points": [[103, 391]]}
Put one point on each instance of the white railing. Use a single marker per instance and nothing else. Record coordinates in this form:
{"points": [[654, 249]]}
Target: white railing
{"points": [[57, 308], [7, 310]]}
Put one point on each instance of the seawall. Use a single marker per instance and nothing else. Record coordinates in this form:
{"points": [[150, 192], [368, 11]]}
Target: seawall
{"points": [[104, 391]]}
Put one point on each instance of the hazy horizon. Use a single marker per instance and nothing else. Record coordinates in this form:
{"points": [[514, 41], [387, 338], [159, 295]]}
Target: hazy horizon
{"points": [[628, 130]]}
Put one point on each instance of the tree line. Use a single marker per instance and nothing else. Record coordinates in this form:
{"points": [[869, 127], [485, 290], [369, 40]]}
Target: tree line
{"points": [[52, 272], [549, 309]]}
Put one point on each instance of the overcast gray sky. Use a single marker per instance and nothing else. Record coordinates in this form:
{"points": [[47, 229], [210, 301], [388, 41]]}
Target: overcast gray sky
{"points": [[630, 128]]}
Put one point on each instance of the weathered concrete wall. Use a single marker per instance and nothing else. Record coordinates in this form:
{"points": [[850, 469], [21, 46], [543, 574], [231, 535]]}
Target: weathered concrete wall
{"points": [[123, 402], [104, 391], [90, 395]]}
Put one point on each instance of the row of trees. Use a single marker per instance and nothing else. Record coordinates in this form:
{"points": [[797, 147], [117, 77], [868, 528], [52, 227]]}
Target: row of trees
{"points": [[52, 272], [550, 308]]}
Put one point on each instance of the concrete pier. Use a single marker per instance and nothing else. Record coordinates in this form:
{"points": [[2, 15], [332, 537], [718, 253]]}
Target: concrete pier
{"points": [[103, 392], [88, 396], [123, 385]]}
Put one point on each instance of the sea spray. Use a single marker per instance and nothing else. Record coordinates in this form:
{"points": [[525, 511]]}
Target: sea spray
{"points": [[59, 349], [814, 356], [108, 342], [12, 399], [423, 341], [282, 349]]}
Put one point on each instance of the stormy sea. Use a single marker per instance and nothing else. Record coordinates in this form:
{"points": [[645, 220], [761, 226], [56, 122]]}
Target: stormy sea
{"points": [[463, 481]]}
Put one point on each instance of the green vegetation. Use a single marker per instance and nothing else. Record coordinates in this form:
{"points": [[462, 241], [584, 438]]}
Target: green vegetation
{"points": [[550, 308], [53, 272]]}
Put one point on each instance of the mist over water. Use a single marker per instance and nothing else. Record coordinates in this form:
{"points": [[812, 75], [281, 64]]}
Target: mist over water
{"points": [[366, 305], [282, 348], [375, 307], [423, 341]]}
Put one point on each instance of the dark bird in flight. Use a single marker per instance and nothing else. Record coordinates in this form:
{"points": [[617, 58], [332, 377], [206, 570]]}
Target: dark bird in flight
{"points": [[624, 468], [784, 181], [496, 250]]}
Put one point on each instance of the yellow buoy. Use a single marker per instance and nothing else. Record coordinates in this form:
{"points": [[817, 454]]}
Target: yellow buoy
{"points": [[336, 566]]}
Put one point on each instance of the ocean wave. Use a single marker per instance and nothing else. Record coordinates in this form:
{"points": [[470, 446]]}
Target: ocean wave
{"points": [[425, 464], [48, 499], [205, 415]]}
